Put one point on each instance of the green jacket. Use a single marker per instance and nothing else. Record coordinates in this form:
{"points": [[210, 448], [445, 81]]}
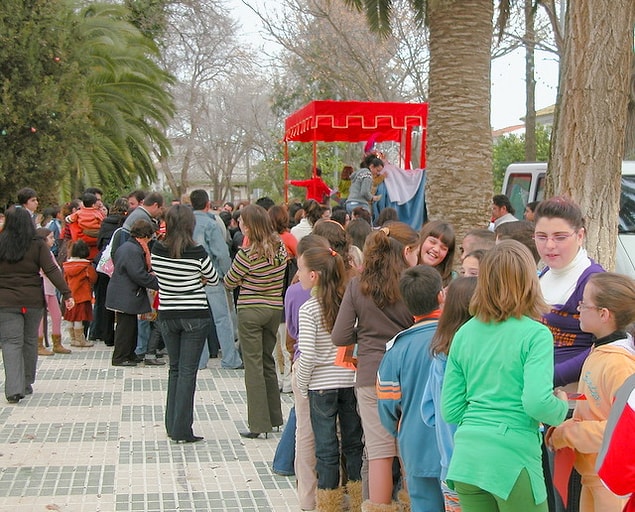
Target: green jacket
{"points": [[498, 388]]}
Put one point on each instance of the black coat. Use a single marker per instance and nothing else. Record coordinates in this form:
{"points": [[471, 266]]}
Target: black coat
{"points": [[127, 286]]}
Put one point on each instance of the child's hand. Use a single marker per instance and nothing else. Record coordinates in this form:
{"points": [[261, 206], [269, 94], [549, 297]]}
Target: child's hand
{"points": [[561, 394]]}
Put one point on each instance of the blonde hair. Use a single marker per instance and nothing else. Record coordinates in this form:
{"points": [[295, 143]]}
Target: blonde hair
{"points": [[507, 285], [263, 239], [615, 292]]}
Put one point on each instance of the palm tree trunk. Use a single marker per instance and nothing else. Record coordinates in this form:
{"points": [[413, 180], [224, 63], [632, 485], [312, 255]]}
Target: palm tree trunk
{"points": [[590, 125], [459, 148]]}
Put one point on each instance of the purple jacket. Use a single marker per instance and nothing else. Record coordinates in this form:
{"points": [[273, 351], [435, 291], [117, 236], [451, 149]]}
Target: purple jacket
{"points": [[571, 345]]}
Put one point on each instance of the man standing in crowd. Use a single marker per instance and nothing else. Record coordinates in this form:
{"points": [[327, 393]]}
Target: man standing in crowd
{"points": [[208, 234]]}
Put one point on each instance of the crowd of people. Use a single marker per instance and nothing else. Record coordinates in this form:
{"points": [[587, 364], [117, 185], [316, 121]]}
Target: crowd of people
{"points": [[427, 374]]}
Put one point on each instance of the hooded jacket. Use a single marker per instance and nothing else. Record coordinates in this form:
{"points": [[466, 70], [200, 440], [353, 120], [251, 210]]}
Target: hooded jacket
{"points": [[80, 276]]}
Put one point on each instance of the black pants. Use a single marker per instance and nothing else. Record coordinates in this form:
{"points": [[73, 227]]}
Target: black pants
{"points": [[125, 338], [103, 324]]}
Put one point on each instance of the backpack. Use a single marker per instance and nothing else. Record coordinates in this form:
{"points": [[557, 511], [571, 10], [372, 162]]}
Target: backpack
{"points": [[105, 265]]}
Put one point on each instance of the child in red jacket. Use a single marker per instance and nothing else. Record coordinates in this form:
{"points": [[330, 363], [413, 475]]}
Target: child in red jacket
{"points": [[80, 276]]}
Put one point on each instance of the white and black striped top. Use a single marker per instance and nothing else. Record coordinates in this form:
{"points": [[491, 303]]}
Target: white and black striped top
{"points": [[181, 289], [316, 367]]}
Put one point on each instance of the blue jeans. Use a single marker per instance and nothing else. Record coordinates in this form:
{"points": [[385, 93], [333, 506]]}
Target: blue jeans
{"points": [[425, 494], [184, 339], [18, 338], [326, 407], [285, 452], [218, 302], [144, 330]]}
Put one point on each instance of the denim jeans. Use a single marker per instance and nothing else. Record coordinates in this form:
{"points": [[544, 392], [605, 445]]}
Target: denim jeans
{"points": [[285, 452], [184, 339], [326, 407], [218, 302], [18, 337]]}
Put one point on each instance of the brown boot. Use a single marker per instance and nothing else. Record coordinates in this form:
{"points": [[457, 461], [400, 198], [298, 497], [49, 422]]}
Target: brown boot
{"points": [[81, 339], [41, 349], [404, 500], [369, 506], [58, 348], [330, 500], [73, 337], [354, 490]]}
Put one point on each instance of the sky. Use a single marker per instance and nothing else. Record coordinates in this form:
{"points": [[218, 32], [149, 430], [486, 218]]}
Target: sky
{"points": [[507, 75]]}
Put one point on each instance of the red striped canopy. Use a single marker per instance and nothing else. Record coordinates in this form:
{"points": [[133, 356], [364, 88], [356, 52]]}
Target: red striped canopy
{"points": [[354, 121]]}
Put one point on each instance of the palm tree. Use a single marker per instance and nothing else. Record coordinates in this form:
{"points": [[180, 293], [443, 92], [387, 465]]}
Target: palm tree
{"points": [[128, 103], [459, 145]]}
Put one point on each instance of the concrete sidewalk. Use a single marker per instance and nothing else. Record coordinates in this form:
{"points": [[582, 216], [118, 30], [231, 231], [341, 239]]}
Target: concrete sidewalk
{"points": [[91, 438]]}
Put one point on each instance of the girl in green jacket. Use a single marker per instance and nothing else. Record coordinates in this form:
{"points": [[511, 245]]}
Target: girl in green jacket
{"points": [[498, 388]]}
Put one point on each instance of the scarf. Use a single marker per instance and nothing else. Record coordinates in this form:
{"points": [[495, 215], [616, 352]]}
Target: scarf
{"points": [[146, 251]]}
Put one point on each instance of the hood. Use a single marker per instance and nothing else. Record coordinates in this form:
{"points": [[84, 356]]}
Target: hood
{"points": [[75, 267]]}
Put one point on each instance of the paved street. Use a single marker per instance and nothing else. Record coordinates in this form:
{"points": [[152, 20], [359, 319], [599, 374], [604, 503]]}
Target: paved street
{"points": [[91, 438]]}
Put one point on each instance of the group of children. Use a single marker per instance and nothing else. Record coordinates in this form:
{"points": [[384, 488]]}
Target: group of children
{"points": [[80, 276], [466, 387]]}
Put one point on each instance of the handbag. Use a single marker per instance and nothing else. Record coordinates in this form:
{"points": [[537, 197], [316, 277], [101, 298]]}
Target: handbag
{"points": [[105, 265]]}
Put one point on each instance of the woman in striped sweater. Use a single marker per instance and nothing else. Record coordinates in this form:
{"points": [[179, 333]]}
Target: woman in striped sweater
{"points": [[182, 268], [259, 270]]}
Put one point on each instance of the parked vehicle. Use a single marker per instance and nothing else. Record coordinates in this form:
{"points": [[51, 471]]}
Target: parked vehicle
{"points": [[525, 182]]}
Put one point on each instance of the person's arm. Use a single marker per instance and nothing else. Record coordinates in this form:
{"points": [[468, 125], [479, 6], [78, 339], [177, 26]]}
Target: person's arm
{"points": [[538, 398], [568, 371], [300, 183], [454, 390], [431, 389], [238, 270], [306, 345], [208, 271], [389, 393], [343, 332], [365, 190], [135, 266]]}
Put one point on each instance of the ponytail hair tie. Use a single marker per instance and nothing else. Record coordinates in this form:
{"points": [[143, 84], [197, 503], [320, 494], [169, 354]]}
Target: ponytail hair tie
{"points": [[333, 253]]}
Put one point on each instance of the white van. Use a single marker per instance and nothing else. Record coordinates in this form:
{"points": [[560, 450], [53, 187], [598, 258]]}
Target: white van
{"points": [[525, 182]]}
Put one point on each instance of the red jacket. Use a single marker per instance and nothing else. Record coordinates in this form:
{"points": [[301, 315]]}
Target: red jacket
{"points": [[80, 276], [616, 460], [315, 188]]}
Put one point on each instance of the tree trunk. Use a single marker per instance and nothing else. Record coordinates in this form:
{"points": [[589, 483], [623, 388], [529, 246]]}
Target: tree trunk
{"points": [[629, 139], [459, 146], [530, 83], [589, 128]]}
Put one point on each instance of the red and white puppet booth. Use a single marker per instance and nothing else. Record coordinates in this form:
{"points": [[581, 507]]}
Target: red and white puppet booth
{"points": [[358, 121]]}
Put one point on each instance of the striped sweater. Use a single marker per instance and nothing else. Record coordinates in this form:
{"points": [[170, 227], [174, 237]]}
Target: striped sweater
{"points": [[315, 368], [261, 283], [181, 290]]}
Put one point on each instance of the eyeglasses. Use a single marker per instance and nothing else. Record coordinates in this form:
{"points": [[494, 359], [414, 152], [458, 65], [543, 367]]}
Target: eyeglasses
{"points": [[559, 238], [582, 306]]}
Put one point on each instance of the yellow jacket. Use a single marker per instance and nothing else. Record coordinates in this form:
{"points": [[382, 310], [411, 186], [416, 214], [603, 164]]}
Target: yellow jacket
{"points": [[603, 372]]}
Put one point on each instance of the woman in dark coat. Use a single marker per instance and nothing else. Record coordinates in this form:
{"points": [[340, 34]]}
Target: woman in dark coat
{"points": [[22, 255], [126, 294], [103, 324]]}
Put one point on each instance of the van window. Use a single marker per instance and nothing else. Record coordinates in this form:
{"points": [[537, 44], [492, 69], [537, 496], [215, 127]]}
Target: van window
{"points": [[627, 205], [517, 191]]}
